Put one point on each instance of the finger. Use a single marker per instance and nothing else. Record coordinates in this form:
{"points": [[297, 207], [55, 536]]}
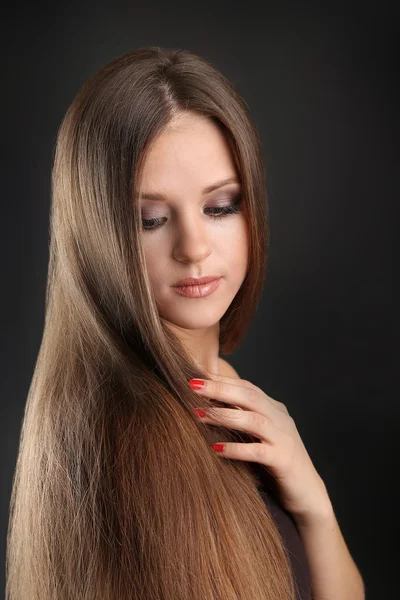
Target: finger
{"points": [[245, 383], [251, 452], [248, 398], [233, 380], [253, 423]]}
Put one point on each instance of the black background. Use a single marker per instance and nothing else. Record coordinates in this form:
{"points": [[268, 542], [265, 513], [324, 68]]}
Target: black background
{"points": [[321, 87]]}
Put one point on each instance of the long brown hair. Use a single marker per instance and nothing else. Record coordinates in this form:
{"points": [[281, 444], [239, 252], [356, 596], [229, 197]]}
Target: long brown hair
{"points": [[117, 494]]}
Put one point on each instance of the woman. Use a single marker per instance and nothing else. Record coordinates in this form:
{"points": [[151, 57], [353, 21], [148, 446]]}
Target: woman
{"points": [[119, 492]]}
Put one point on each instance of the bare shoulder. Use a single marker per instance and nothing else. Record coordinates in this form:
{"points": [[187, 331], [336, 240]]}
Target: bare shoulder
{"points": [[227, 370]]}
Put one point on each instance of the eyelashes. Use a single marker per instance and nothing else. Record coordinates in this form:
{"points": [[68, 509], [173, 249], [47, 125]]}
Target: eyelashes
{"points": [[215, 213]]}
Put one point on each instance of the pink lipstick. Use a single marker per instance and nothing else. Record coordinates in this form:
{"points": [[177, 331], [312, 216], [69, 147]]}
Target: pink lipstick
{"points": [[204, 286]]}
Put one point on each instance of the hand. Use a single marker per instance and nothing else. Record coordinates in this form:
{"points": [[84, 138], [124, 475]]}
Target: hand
{"points": [[300, 488]]}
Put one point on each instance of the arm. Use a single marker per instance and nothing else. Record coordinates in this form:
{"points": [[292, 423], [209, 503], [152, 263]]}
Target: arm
{"points": [[334, 574], [301, 491]]}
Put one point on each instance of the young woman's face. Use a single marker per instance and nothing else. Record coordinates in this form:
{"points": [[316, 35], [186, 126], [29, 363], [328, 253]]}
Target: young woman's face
{"points": [[182, 233]]}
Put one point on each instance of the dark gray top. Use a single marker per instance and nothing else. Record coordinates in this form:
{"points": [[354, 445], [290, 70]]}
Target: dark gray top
{"points": [[288, 530]]}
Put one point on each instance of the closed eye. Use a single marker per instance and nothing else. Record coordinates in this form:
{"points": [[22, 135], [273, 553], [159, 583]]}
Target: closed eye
{"points": [[215, 212]]}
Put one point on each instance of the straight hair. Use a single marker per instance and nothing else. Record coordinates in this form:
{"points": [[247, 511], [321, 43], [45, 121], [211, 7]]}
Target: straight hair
{"points": [[116, 492]]}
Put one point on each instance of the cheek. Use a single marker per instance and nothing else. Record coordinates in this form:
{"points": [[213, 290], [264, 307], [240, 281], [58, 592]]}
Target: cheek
{"points": [[236, 242], [155, 264], [242, 252]]}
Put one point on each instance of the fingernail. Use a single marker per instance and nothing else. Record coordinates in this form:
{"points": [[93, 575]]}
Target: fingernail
{"points": [[218, 447], [200, 413], [196, 384]]}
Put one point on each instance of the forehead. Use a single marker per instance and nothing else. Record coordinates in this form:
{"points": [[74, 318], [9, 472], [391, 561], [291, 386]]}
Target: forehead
{"points": [[190, 153]]}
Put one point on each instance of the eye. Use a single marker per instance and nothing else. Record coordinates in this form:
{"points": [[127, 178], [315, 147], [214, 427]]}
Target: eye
{"points": [[215, 212]]}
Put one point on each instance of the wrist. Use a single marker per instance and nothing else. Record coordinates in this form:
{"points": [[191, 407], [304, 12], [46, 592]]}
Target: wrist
{"points": [[320, 512]]}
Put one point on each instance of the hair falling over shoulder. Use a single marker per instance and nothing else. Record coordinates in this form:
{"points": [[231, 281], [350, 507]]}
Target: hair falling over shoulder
{"points": [[117, 494]]}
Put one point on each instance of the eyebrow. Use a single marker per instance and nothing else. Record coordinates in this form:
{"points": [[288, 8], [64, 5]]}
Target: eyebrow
{"points": [[207, 190]]}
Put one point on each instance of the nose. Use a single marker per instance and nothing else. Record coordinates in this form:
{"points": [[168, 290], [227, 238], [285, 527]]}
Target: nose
{"points": [[192, 241]]}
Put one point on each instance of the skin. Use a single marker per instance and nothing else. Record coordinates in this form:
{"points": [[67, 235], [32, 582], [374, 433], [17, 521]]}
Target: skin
{"points": [[191, 154], [299, 487]]}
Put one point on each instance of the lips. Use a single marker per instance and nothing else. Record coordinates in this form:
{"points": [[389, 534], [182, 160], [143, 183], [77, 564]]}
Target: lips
{"points": [[194, 281]]}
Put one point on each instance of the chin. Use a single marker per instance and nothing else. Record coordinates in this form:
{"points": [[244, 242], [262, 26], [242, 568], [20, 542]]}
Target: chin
{"points": [[193, 318]]}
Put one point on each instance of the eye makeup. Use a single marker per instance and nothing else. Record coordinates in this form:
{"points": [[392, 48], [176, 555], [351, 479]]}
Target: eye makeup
{"points": [[215, 213]]}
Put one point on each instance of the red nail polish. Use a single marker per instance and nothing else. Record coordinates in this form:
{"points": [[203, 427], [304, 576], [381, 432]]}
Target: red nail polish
{"points": [[200, 413], [196, 384], [218, 447]]}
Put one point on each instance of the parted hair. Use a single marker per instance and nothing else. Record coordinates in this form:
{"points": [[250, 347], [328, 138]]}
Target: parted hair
{"points": [[117, 494]]}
